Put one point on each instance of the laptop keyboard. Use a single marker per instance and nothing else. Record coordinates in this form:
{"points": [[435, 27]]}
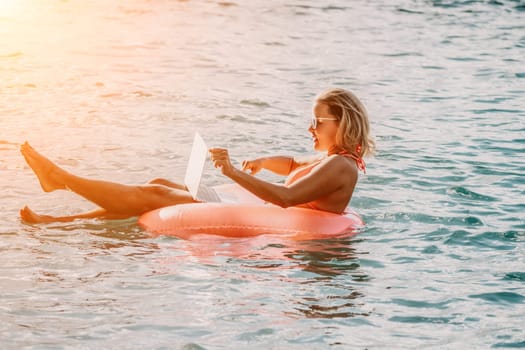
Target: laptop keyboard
{"points": [[207, 194]]}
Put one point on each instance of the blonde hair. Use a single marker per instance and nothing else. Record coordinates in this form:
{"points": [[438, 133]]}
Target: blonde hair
{"points": [[353, 134]]}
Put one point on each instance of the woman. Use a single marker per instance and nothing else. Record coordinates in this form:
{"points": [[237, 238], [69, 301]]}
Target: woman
{"points": [[339, 128]]}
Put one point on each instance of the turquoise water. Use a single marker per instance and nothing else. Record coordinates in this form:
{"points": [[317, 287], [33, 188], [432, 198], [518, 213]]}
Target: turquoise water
{"points": [[116, 91]]}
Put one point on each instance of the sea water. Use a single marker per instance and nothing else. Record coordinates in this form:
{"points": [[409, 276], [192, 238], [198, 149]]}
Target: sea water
{"points": [[115, 91]]}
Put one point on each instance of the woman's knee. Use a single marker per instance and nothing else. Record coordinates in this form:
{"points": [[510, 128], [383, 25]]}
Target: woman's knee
{"points": [[167, 183], [155, 189], [158, 181]]}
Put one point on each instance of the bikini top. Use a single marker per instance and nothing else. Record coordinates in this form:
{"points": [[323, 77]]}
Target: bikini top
{"points": [[305, 170], [361, 165]]}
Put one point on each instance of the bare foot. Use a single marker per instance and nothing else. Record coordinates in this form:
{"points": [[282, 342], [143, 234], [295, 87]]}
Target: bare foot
{"points": [[48, 173], [31, 217]]}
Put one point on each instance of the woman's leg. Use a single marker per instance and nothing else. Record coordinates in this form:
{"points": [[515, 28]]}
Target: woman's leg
{"points": [[30, 216], [117, 200]]}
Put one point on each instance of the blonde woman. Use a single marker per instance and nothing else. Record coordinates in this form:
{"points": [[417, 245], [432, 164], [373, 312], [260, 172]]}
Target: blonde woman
{"points": [[339, 128]]}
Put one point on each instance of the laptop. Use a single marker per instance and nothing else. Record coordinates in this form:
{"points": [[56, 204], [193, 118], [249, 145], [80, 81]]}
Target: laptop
{"points": [[193, 177]]}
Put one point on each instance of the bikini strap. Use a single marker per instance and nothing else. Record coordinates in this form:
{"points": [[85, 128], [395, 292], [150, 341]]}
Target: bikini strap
{"points": [[361, 165]]}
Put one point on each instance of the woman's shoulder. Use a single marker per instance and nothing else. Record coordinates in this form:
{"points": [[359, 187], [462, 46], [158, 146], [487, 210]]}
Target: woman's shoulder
{"points": [[340, 163], [336, 163]]}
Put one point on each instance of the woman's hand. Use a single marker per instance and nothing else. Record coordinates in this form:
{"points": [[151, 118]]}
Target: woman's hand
{"points": [[221, 159], [254, 166]]}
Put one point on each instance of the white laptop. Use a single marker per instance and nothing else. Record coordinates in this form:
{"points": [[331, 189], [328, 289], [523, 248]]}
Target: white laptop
{"points": [[192, 180]]}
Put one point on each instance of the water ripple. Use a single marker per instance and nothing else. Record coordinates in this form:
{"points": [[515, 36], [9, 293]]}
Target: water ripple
{"points": [[439, 263], [486, 240], [464, 193], [500, 297], [515, 276], [421, 319]]}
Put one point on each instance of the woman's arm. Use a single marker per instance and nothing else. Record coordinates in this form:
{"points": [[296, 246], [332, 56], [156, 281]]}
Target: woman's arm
{"points": [[281, 165], [278, 164], [329, 177]]}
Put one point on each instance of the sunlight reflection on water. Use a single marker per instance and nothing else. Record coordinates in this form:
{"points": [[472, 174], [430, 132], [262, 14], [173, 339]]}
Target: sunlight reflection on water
{"points": [[115, 90]]}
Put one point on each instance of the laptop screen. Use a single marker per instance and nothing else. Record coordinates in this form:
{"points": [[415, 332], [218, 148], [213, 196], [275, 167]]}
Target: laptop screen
{"points": [[199, 152]]}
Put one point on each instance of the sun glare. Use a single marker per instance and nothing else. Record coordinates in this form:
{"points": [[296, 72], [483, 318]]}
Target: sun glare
{"points": [[9, 7]]}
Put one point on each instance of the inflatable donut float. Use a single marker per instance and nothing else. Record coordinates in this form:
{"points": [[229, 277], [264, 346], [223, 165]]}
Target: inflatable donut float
{"points": [[248, 218]]}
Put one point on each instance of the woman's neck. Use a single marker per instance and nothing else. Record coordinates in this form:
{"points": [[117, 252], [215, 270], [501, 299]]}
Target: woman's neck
{"points": [[335, 149]]}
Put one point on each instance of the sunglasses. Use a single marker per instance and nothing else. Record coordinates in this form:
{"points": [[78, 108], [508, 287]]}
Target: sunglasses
{"points": [[313, 122]]}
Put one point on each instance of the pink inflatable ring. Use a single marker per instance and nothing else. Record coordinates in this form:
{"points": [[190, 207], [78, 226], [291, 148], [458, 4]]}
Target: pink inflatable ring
{"points": [[248, 220]]}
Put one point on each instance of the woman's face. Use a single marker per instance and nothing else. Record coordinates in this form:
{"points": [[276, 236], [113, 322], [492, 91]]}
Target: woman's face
{"points": [[324, 135]]}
